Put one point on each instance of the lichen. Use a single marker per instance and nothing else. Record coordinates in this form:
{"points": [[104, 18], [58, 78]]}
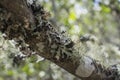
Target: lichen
{"points": [[40, 46]]}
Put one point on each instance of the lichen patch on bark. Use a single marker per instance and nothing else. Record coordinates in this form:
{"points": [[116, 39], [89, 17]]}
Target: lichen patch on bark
{"points": [[40, 46]]}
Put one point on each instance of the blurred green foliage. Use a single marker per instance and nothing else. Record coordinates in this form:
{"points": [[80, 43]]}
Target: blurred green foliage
{"points": [[77, 17]]}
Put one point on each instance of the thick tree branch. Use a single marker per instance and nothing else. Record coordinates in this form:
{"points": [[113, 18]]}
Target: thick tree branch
{"points": [[49, 43], [20, 9]]}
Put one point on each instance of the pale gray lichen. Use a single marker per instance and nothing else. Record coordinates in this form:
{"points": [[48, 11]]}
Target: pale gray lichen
{"points": [[40, 46], [60, 47]]}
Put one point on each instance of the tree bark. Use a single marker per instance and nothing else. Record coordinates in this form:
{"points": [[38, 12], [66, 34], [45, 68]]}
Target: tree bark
{"points": [[48, 42], [20, 9]]}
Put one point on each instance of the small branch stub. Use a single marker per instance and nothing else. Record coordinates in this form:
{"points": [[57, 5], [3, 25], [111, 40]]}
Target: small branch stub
{"points": [[85, 67]]}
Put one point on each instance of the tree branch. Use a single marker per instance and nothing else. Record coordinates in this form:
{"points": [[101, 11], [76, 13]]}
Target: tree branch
{"points": [[51, 44], [20, 9]]}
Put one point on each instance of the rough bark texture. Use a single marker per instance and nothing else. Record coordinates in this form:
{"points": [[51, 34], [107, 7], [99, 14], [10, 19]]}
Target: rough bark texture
{"points": [[20, 9], [48, 42]]}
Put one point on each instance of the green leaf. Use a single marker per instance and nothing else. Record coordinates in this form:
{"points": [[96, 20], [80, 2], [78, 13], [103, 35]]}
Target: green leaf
{"points": [[105, 9], [26, 69], [10, 72], [72, 16]]}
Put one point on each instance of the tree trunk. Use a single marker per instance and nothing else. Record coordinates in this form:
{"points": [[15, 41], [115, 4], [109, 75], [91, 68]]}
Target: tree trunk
{"points": [[48, 42]]}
